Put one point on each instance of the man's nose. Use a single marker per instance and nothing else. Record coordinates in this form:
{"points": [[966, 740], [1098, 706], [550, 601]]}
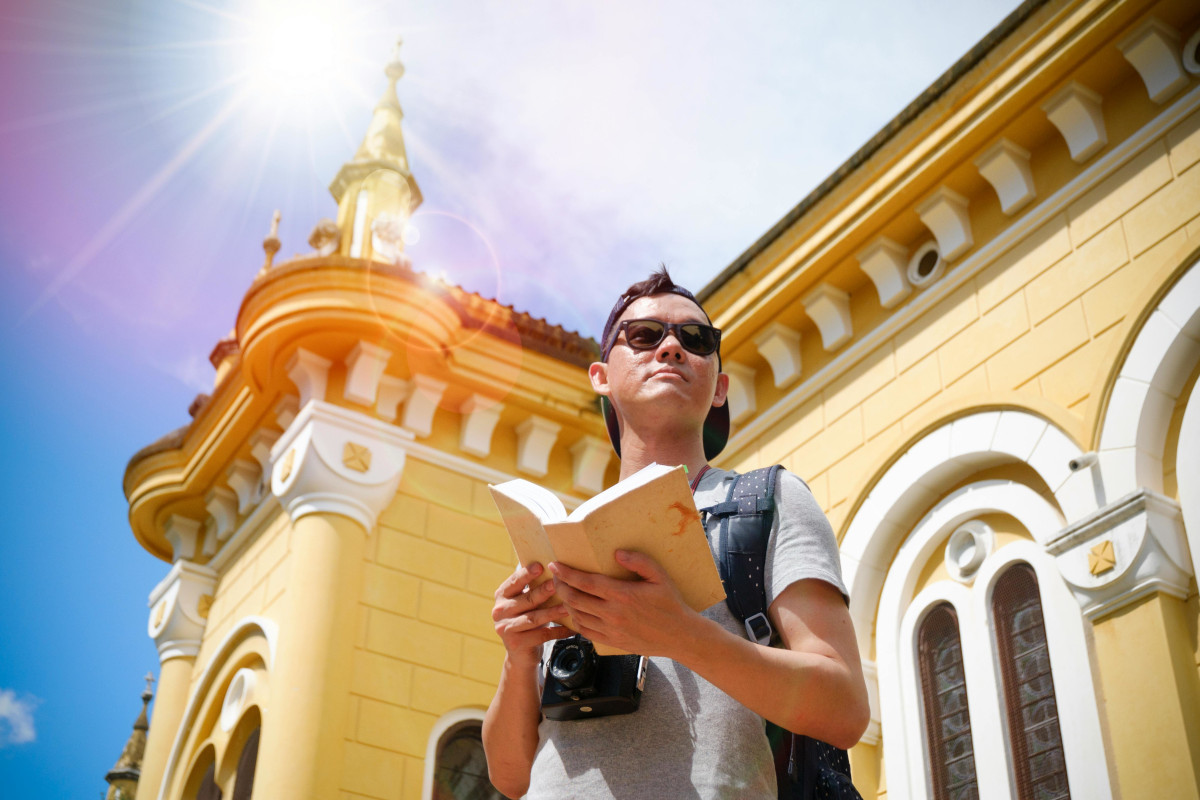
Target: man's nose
{"points": [[670, 349]]}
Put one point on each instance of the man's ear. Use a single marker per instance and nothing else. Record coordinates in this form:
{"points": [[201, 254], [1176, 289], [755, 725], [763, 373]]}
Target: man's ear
{"points": [[598, 374], [722, 390]]}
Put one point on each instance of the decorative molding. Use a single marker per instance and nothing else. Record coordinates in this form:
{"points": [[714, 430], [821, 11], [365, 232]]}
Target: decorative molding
{"points": [[286, 410], [176, 624], [320, 479], [243, 477], [310, 373], [1006, 167], [741, 397], [364, 368], [535, 439], [917, 262], [222, 507], [184, 534], [589, 461], [873, 734], [239, 696], [479, 417], [1153, 49], [422, 403], [261, 443], [884, 262], [392, 392], [1144, 531], [780, 346], [1075, 111], [946, 216], [986, 255], [966, 549], [830, 309]]}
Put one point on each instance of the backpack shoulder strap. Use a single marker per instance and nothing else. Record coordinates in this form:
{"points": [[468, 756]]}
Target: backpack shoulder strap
{"points": [[742, 526]]}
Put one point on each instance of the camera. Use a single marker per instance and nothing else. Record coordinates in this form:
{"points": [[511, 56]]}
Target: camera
{"points": [[581, 684]]}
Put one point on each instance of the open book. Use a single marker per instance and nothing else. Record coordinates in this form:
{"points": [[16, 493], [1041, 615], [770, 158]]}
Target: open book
{"points": [[651, 512]]}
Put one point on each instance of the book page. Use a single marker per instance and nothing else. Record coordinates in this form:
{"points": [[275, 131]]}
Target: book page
{"points": [[525, 528]]}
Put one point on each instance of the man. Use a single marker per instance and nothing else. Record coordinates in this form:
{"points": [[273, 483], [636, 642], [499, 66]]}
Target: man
{"points": [[699, 730]]}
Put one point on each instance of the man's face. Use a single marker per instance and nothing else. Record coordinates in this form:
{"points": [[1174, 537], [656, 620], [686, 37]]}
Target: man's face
{"points": [[665, 382]]}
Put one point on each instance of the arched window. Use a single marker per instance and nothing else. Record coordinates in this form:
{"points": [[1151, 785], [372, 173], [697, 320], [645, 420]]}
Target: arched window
{"points": [[208, 785], [461, 766], [244, 782], [1032, 711], [944, 689]]}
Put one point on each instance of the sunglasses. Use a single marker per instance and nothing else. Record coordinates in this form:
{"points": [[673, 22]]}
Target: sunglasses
{"points": [[644, 334]]}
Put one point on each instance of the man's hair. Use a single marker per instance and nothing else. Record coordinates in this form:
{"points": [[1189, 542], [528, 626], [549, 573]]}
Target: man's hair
{"points": [[659, 282]]}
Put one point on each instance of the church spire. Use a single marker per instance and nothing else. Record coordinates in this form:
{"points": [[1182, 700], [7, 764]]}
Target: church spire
{"points": [[375, 191], [123, 777]]}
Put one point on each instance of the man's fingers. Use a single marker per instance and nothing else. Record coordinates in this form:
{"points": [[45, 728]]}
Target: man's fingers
{"points": [[515, 584]]}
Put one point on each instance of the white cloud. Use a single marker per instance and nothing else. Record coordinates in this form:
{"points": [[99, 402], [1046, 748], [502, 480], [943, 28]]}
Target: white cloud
{"points": [[16, 718]]}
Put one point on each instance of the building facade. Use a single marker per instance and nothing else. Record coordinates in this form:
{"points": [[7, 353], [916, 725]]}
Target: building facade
{"points": [[977, 342]]}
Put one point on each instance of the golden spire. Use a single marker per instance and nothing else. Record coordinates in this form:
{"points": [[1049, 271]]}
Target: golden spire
{"points": [[375, 191], [123, 777], [271, 244]]}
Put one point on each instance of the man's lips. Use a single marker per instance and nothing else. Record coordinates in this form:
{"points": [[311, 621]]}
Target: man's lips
{"points": [[668, 372]]}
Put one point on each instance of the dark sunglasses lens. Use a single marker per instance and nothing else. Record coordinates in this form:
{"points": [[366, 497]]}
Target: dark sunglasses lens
{"points": [[644, 334], [700, 339]]}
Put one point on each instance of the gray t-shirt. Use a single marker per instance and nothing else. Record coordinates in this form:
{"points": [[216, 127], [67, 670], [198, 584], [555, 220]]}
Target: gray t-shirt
{"points": [[689, 739]]}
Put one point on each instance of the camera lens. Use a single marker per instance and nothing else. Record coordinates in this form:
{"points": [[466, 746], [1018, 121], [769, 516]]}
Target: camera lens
{"points": [[574, 665]]}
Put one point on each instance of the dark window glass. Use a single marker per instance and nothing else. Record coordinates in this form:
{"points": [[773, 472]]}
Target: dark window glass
{"points": [[947, 722], [461, 771], [1033, 730], [927, 263], [244, 782], [208, 786]]}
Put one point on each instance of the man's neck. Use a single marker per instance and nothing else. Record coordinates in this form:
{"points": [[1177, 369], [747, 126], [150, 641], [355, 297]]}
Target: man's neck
{"points": [[639, 451]]}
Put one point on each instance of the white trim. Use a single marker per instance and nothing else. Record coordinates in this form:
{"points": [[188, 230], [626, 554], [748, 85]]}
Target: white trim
{"points": [[1142, 400], [444, 723], [916, 309], [244, 629], [900, 613], [1187, 477]]}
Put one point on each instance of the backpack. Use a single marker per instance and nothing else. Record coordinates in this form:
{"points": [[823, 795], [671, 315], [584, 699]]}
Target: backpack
{"points": [[805, 768]]}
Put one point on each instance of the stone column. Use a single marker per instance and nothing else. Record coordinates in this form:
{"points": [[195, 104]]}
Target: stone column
{"points": [[1129, 568], [178, 612], [334, 471]]}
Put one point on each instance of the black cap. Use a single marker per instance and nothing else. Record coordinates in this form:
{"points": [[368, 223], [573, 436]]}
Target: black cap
{"points": [[716, 424]]}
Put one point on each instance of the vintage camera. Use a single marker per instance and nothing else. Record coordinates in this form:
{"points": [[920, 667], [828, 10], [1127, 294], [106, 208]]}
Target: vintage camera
{"points": [[582, 685]]}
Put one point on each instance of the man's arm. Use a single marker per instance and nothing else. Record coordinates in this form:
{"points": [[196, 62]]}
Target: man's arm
{"points": [[510, 727], [814, 685]]}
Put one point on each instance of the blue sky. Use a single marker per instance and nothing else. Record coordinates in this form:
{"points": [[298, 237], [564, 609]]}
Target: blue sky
{"points": [[563, 149]]}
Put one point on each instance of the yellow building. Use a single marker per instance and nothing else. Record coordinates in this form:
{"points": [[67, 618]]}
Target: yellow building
{"points": [[977, 341]]}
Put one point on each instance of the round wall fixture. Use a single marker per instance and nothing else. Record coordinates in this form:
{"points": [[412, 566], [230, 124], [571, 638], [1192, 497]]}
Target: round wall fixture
{"points": [[1191, 54], [926, 265], [238, 696], [968, 546]]}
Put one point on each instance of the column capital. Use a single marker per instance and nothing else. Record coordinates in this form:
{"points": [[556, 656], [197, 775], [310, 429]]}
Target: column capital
{"points": [[338, 461], [179, 609], [1124, 551]]}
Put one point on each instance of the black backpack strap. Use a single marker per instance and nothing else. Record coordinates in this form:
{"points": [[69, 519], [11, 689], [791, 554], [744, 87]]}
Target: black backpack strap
{"points": [[742, 525]]}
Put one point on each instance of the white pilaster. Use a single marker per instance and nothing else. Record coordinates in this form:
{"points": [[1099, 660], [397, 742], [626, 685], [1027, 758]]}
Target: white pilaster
{"points": [[479, 417], [741, 397], [338, 461], [1123, 552], [780, 346], [1153, 49], [364, 367], [310, 373], [945, 214], [1075, 111], [1006, 167], [535, 438], [830, 309], [422, 403], [589, 461], [884, 262], [392, 392], [184, 535], [179, 609]]}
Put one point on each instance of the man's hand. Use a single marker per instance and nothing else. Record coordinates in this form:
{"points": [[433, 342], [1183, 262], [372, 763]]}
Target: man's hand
{"points": [[639, 616], [522, 617]]}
